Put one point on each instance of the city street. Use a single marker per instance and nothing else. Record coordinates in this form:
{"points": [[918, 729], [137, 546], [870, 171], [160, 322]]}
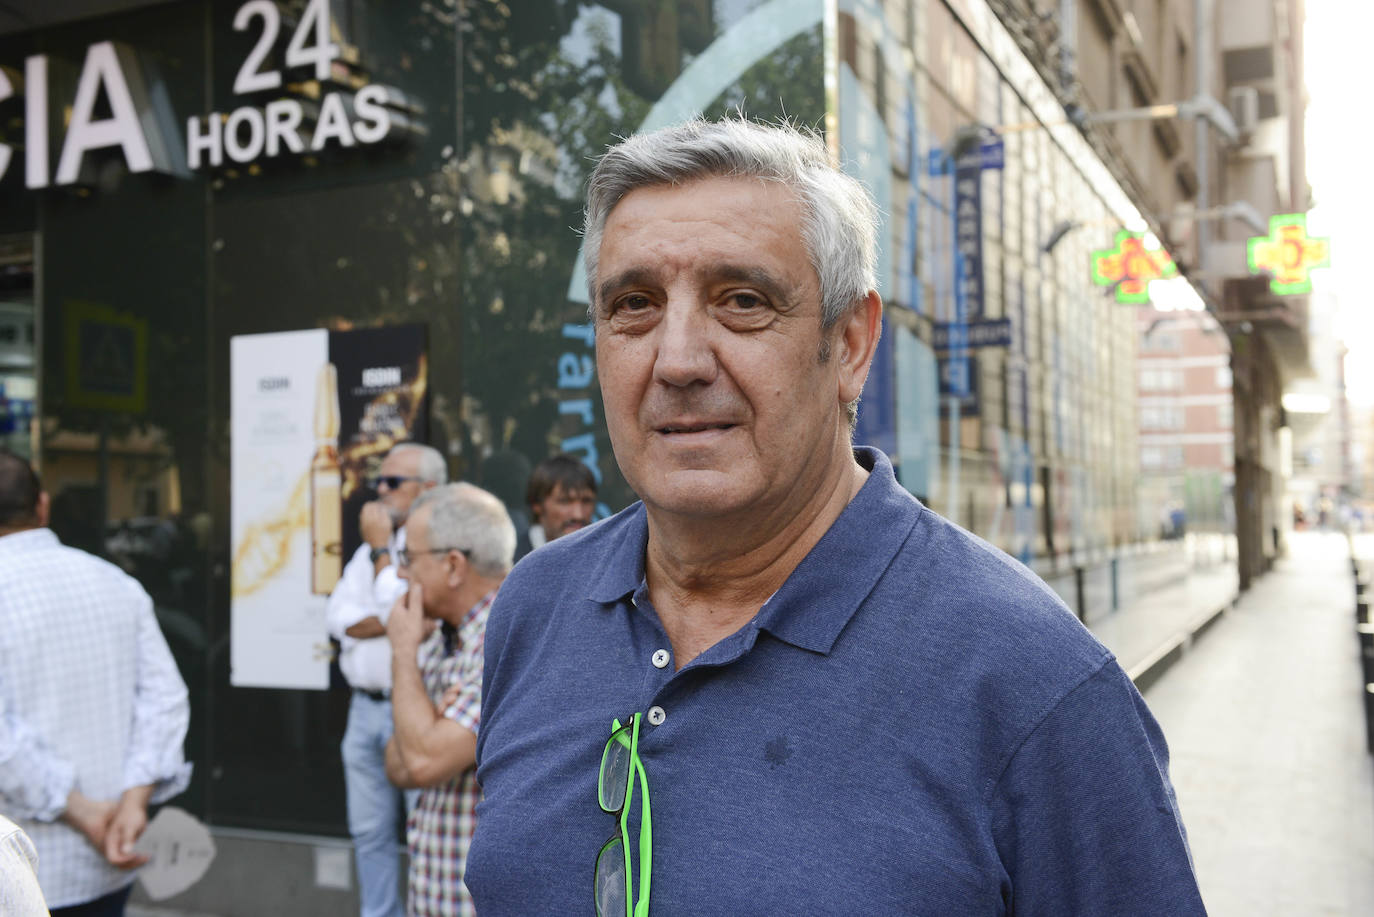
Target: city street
{"points": [[1265, 727]]}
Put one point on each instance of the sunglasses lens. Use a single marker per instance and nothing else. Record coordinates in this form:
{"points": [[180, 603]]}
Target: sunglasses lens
{"points": [[610, 880], [615, 770]]}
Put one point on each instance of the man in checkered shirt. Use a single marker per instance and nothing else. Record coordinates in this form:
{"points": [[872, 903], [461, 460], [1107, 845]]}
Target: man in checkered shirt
{"points": [[93, 712], [460, 542]]}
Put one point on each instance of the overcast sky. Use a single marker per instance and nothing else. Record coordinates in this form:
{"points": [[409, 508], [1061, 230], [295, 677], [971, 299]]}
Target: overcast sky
{"points": [[1339, 163]]}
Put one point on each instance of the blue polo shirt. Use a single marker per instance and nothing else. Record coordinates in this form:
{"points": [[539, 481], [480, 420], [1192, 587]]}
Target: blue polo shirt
{"points": [[912, 724]]}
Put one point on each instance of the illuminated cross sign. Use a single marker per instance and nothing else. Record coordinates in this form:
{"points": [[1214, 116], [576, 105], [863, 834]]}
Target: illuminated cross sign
{"points": [[1130, 266], [1288, 253]]}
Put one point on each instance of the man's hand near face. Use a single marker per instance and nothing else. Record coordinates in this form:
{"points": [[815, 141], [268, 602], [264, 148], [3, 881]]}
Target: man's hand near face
{"points": [[375, 524], [426, 748], [407, 627]]}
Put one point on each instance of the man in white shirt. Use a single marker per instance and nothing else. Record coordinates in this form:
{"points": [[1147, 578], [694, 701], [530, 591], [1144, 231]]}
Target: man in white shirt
{"points": [[357, 615], [93, 711]]}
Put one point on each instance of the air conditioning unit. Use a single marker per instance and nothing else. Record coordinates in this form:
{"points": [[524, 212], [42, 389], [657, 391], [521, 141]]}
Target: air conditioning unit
{"points": [[1243, 102]]}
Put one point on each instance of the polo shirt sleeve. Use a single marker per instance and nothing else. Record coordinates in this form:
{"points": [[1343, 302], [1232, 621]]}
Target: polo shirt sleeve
{"points": [[1084, 816]]}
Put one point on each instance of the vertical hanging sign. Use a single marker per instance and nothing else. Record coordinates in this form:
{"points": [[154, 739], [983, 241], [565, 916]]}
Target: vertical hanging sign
{"points": [[968, 237]]}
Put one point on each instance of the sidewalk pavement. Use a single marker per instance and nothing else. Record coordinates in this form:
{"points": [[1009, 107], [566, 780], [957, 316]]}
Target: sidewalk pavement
{"points": [[1152, 630], [1265, 725]]}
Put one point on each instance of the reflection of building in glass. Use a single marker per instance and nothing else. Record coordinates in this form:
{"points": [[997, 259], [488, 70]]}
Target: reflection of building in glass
{"points": [[1187, 458]]}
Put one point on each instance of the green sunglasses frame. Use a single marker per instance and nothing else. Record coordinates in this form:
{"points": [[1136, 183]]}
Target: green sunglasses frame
{"points": [[627, 735]]}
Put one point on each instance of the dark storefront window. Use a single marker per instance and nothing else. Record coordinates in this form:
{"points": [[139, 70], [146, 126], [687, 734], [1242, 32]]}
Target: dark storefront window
{"points": [[135, 284]]}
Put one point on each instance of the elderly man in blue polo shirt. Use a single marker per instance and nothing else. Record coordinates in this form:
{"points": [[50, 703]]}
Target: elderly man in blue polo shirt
{"points": [[841, 703]]}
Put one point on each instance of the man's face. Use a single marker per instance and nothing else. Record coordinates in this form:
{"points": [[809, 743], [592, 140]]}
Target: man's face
{"points": [[427, 567], [404, 464], [564, 511], [708, 333]]}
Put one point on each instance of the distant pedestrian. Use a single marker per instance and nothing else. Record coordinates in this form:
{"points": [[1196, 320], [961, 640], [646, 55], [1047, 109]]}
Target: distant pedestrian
{"points": [[356, 615], [460, 545], [562, 498], [93, 711]]}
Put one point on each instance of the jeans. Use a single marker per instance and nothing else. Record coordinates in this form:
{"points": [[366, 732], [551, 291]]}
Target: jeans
{"points": [[374, 806], [111, 905]]}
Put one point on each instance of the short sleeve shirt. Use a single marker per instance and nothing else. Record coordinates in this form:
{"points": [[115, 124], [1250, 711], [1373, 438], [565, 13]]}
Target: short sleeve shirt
{"points": [[912, 724], [439, 830]]}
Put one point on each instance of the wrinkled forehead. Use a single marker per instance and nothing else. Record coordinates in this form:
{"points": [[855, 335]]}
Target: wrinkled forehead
{"points": [[417, 529], [402, 462], [562, 492]]}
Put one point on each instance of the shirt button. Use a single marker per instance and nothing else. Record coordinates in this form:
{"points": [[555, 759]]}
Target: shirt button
{"points": [[656, 716], [660, 658]]}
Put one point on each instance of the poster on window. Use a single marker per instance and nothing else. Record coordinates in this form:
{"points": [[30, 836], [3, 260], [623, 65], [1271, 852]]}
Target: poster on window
{"points": [[312, 414]]}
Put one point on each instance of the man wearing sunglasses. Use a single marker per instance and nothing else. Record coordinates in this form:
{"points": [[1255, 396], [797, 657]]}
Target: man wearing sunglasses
{"points": [[837, 701], [357, 613], [461, 541]]}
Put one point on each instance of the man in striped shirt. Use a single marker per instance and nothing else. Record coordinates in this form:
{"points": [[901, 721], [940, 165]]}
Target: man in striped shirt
{"points": [[460, 542]]}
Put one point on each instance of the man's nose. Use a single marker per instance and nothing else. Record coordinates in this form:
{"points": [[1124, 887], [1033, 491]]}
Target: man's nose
{"points": [[686, 354]]}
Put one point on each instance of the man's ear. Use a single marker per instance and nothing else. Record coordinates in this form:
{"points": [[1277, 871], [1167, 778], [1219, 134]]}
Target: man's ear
{"points": [[856, 343], [457, 567], [44, 509]]}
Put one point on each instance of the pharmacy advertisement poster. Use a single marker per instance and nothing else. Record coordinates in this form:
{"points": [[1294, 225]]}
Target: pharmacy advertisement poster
{"points": [[312, 414]]}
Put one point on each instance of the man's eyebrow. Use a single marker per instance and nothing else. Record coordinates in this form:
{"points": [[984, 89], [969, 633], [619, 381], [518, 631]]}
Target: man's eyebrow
{"points": [[784, 291], [746, 274], [631, 277]]}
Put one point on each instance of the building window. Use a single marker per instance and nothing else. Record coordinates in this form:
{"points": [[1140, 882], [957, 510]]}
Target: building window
{"points": [[1157, 380], [1225, 415], [1161, 417], [1223, 377]]}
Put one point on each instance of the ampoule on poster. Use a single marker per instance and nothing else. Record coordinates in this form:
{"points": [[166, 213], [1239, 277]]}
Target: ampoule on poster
{"points": [[326, 485]]}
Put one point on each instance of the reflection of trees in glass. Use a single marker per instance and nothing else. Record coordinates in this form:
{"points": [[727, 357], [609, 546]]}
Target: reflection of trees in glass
{"points": [[533, 125], [532, 122], [787, 83]]}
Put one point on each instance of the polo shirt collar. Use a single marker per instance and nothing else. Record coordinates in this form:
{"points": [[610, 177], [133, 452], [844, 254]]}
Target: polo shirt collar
{"points": [[820, 596], [621, 569]]}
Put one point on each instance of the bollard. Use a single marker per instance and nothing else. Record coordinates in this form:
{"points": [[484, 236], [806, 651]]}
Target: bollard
{"points": [[1079, 591], [1116, 584], [1369, 716]]}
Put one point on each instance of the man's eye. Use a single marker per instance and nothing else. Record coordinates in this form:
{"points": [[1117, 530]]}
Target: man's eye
{"points": [[745, 301], [632, 303]]}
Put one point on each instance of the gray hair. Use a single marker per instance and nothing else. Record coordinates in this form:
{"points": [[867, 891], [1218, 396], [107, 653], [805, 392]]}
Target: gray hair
{"points": [[431, 467], [473, 521], [839, 221]]}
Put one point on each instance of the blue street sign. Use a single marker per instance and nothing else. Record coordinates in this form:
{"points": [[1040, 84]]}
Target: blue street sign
{"points": [[993, 332], [994, 154], [956, 375], [991, 154]]}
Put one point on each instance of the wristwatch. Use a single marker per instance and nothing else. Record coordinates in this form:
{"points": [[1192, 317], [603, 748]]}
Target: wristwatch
{"points": [[378, 553]]}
